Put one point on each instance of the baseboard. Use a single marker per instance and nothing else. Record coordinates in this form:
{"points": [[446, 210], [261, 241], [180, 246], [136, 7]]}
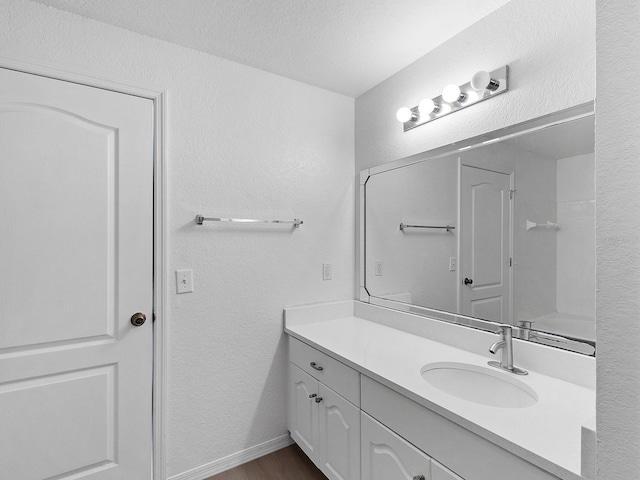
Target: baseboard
{"points": [[235, 459]]}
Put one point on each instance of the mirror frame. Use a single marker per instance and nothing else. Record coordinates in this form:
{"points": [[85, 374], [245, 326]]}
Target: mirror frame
{"points": [[564, 342]]}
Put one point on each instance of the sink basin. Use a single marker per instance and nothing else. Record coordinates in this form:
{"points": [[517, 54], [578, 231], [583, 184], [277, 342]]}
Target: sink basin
{"points": [[483, 385]]}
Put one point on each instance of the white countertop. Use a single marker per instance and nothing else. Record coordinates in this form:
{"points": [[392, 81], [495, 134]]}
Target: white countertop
{"points": [[547, 434]]}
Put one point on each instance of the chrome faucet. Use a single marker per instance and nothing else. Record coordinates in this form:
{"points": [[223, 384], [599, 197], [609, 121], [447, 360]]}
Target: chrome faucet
{"points": [[506, 345]]}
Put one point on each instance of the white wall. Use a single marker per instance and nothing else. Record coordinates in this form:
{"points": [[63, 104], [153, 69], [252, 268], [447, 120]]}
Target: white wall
{"points": [[239, 144], [576, 255], [618, 240]]}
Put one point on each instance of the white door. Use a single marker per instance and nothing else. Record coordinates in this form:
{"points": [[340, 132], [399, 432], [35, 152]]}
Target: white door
{"points": [[386, 456], [339, 436], [485, 243], [76, 262]]}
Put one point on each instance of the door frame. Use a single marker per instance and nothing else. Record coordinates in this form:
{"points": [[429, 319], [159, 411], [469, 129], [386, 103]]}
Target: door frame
{"points": [[160, 282]]}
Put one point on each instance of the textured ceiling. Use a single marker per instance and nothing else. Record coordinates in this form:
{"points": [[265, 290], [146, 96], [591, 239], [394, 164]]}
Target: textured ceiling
{"points": [[347, 46]]}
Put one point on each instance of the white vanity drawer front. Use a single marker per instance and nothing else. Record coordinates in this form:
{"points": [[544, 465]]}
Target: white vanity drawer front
{"points": [[469, 455], [337, 376], [386, 456], [438, 472]]}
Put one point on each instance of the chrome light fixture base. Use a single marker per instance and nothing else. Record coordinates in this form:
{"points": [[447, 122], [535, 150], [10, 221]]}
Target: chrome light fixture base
{"points": [[469, 97]]}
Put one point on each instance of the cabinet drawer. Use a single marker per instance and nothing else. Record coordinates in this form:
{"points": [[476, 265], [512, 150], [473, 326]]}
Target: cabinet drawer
{"points": [[386, 456], [337, 376], [438, 472]]}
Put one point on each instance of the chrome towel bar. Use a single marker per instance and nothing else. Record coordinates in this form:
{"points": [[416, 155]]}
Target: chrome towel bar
{"points": [[446, 227], [200, 219]]}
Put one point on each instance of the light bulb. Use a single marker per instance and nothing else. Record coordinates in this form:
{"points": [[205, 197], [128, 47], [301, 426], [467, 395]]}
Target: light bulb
{"points": [[482, 80], [405, 114], [452, 93], [427, 106]]}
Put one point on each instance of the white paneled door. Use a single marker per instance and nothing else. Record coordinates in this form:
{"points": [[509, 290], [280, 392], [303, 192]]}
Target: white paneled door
{"points": [[76, 263], [485, 247]]}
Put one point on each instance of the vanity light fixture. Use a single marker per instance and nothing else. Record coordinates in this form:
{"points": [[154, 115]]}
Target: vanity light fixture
{"points": [[482, 80], [427, 107], [452, 93], [483, 85], [404, 114]]}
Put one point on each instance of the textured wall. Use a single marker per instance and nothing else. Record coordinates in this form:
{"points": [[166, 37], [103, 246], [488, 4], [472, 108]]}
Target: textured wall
{"points": [[618, 240], [239, 144], [549, 46]]}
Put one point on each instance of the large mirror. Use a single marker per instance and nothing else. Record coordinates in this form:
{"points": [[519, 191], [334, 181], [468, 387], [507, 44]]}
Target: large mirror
{"points": [[501, 229]]}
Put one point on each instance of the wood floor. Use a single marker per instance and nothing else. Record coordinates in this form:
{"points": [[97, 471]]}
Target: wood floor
{"points": [[286, 464]]}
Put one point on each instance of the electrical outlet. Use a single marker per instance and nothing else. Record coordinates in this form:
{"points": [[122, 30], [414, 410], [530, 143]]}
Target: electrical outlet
{"points": [[378, 268], [452, 264], [184, 281], [326, 271]]}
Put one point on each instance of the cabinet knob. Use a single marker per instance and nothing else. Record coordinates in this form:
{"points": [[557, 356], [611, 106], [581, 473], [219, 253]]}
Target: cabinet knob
{"points": [[315, 366], [418, 477], [313, 395], [319, 399]]}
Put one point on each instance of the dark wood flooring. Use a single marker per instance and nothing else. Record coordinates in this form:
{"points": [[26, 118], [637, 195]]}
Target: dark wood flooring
{"points": [[290, 463]]}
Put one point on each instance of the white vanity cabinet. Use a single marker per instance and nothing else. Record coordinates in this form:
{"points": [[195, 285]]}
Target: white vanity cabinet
{"points": [[303, 412], [386, 456], [470, 456], [355, 428], [438, 472], [324, 412]]}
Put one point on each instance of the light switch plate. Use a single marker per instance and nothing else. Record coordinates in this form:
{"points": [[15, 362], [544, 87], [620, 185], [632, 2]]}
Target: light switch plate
{"points": [[378, 268], [326, 271], [184, 281]]}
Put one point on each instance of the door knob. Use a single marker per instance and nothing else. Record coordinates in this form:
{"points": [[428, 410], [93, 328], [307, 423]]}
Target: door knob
{"points": [[468, 281], [138, 319]]}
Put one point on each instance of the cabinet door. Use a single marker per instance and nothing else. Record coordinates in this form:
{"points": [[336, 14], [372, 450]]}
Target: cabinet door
{"points": [[339, 436], [386, 456], [303, 410], [438, 472]]}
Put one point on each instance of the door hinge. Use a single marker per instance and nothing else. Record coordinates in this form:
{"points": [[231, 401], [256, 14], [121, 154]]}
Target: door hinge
{"points": [[510, 264], [153, 316]]}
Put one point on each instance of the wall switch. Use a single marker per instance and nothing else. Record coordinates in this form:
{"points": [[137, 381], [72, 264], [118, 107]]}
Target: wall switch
{"points": [[378, 268], [452, 264], [184, 281], [326, 271]]}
